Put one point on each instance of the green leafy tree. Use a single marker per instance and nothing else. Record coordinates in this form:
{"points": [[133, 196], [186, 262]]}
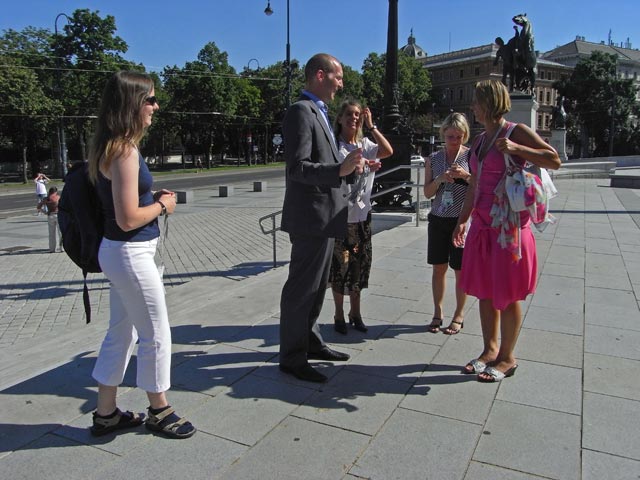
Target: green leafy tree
{"points": [[373, 77], [87, 52], [595, 93], [205, 99], [352, 89], [414, 86], [27, 111]]}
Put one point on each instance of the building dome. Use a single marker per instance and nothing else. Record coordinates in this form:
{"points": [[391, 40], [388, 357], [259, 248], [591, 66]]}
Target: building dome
{"points": [[412, 49]]}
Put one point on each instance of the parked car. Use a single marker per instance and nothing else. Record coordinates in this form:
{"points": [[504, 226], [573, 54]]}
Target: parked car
{"points": [[417, 160]]}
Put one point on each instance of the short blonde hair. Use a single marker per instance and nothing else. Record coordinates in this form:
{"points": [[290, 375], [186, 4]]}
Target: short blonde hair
{"points": [[456, 121], [493, 97]]}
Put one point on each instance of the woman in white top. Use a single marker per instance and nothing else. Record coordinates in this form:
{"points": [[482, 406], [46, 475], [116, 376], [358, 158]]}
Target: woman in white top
{"points": [[351, 262], [41, 181]]}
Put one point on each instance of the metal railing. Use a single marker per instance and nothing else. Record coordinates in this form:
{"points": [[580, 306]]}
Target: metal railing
{"points": [[272, 231], [274, 228], [417, 185]]}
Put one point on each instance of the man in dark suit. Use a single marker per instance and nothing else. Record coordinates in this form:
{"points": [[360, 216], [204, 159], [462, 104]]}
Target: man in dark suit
{"points": [[314, 214]]}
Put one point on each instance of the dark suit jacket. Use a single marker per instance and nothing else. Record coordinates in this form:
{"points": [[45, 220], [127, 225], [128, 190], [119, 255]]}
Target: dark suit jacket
{"points": [[314, 203]]}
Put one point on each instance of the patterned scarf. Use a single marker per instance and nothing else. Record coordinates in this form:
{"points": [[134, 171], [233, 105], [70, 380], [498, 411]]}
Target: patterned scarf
{"points": [[506, 221]]}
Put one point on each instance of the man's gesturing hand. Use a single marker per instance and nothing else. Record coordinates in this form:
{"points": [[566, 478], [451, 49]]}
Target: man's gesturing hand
{"points": [[352, 162]]}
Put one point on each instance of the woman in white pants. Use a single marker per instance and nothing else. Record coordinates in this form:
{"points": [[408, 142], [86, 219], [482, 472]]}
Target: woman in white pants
{"points": [[138, 311]]}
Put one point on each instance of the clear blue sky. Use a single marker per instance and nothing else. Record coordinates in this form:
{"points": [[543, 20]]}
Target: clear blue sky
{"points": [[165, 32]]}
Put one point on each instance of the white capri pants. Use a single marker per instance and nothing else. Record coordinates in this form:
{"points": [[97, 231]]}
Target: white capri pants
{"points": [[137, 311]]}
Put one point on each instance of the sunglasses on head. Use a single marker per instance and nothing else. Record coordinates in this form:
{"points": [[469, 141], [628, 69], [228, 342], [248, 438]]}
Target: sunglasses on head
{"points": [[151, 100]]}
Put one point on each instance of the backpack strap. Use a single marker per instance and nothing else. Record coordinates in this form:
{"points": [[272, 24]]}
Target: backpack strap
{"points": [[85, 297]]}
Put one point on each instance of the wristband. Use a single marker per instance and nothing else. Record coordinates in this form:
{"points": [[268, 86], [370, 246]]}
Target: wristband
{"points": [[164, 209]]}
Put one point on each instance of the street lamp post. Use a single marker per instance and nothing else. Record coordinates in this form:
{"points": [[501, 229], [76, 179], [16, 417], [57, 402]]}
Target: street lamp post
{"points": [[613, 108], [253, 60], [62, 141], [287, 67]]}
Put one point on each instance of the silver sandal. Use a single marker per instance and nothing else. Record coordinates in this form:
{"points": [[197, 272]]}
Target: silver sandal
{"points": [[496, 375], [477, 365]]}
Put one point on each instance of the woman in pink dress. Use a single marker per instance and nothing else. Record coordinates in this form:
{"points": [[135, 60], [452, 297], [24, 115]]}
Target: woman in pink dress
{"points": [[503, 267]]}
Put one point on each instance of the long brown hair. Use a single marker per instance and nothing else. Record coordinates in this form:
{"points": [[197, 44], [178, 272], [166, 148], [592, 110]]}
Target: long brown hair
{"points": [[337, 127], [119, 123]]}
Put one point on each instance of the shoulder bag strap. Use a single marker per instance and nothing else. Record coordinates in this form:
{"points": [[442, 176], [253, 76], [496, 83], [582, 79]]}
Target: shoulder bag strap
{"points": [[508, 161]]}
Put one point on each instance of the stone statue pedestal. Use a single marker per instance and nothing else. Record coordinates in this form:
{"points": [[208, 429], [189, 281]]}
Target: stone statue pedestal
{"points": [[524, 108], [559, 142]]}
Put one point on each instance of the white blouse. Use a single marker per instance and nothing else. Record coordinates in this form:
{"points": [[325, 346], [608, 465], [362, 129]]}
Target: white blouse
{"points": [[359, 192]]}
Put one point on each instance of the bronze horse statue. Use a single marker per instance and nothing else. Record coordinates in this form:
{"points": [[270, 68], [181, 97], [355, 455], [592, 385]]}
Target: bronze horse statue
{"points": [[507, 52], [525, 56]]}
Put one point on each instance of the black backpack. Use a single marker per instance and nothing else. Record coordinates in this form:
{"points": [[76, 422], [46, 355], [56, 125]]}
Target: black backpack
{"points": [[81, 224]]}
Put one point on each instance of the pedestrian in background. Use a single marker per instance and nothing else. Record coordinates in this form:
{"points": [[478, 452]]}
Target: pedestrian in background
{"points": [[41, 181], [351, 261], [446, 179], [50, 204], [138, 310], [503, 268]]}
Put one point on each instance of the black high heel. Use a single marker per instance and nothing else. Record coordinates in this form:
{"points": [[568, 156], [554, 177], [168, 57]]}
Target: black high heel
{"points": [[357, 323], [339, 325], [451, 330], [435, 325]]}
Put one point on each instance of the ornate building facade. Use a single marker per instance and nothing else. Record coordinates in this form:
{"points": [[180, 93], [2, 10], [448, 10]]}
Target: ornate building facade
{"points": [[455, 74], [627, 66]]}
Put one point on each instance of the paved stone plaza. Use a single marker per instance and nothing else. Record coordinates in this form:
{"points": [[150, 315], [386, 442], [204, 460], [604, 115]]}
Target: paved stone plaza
{"points": [[399, 409]]}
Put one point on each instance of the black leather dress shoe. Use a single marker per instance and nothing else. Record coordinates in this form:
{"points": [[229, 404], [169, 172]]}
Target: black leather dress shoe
{"points": [[329, 355], [304, 372]]}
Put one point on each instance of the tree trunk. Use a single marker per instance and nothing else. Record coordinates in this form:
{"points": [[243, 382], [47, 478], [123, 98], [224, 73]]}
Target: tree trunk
{"points": [[584, 142], [24, 165]]}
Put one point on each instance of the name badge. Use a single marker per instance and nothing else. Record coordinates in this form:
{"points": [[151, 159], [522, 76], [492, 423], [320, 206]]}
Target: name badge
{"points": [[447, 198]]}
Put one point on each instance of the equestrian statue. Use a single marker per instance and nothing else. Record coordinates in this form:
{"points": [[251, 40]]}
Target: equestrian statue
{"points": [[518, 57], [507, 52], [525, 57]]}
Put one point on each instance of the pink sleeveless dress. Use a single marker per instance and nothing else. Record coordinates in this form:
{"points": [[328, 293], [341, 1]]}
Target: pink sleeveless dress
{"points": [[488, 270]]}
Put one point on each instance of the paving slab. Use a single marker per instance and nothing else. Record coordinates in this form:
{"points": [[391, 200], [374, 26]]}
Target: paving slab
{"points": [[561, 293], [202, 456], [216, 369], [548, 319], [443, 391], [482, 471], [531, 386], [58, 459], [355, 402], [610, 375], [415, 445], [387, 308], [598, 465], [609, 427], [264, 403], [412, 327], [625, 314], [550, 347], [395, 359], [298, 448], [612, 341], [531, 440]]}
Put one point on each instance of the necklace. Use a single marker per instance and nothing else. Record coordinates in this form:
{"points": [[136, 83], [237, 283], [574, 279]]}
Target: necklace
{"points": [[455, 159]]}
